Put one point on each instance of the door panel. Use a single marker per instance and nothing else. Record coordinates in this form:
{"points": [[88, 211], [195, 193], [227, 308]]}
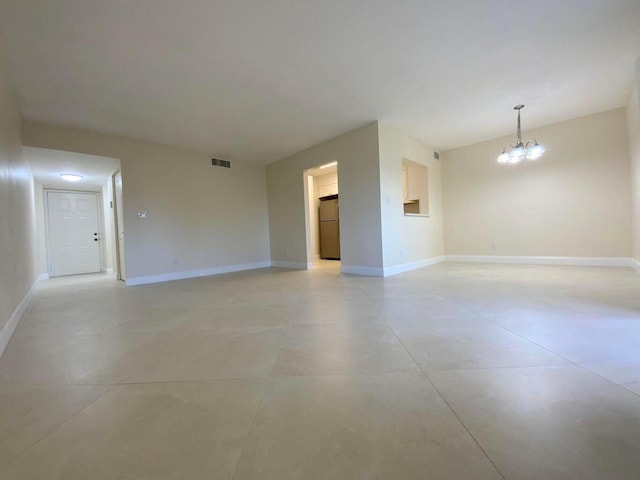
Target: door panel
{"points": [[74, 233], [328, 210], [330, 239]]}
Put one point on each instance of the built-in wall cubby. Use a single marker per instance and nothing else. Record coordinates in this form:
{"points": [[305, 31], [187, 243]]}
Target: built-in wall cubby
{"points": [[415, 188]]}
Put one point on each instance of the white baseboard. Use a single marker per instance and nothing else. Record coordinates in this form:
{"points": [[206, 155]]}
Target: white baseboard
{"points": [[635, 264], [292, 265], [524, 260], [361, 270], [405, 267], [7, 331], [167, 277]]}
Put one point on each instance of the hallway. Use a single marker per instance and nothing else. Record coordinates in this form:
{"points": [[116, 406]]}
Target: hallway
{"points": [[457, 371]]}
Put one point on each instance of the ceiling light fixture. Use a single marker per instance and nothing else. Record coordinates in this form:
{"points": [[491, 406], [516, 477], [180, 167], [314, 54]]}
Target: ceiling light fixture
{"points": [[71, 177], [531, 151], [329, 165]]}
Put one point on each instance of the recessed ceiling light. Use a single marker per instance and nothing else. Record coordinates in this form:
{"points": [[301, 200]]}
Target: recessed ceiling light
{"points": [[71, 177], [329, 165]]}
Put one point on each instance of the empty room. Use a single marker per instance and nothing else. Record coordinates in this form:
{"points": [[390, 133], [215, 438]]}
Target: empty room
{"points": [[320, 240]]}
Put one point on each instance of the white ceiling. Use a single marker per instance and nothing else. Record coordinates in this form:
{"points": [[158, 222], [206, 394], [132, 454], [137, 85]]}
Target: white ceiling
{"points": [[47, 166], [259, 80]]}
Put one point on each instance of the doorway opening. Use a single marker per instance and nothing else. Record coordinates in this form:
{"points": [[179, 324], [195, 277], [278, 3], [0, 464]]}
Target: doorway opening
{"points": [[74, 199], [322, 213]]}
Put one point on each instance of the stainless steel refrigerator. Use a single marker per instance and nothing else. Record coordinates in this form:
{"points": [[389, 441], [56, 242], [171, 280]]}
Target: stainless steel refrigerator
{"points": [[329, 227]]}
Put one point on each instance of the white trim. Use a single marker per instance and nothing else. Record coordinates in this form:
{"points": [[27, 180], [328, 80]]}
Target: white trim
{"points": [[361, 270], [635, 264], [292, 265], [405, 267], [205, 272], [7, 331], [524, 260]]}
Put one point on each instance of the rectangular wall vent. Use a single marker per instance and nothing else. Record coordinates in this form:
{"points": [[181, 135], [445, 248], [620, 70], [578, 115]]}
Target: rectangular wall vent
{"points": [[220, 163], [436, 155]]}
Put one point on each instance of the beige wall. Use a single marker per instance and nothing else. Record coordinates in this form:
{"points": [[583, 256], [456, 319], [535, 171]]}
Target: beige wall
{"points": [[17, 213], [633, 122], [575, 201], [359, 175], [406, 239], [199, 218]]}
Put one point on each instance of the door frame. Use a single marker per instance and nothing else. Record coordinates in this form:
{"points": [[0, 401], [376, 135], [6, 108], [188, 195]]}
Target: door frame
{"points": [[47, 234], [308, 181], [309, 216], [120, 258]]}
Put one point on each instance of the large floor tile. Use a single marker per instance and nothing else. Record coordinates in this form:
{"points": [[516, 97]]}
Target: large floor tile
{"points": [[153, 431], [242, 315], [471, 343], [420, 311], [83, 359], [126, 357], [548, 422], [620, 373], [601, 345], [633, 387], [28, 413], [346, 427], [338, 348], [223, 353]]}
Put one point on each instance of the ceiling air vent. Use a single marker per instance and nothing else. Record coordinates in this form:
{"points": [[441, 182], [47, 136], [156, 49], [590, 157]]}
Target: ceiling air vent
{"points": [[216, 162]]}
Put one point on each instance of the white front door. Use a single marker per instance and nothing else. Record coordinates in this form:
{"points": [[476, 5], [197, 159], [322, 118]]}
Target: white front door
{"points": [[74, 233]]}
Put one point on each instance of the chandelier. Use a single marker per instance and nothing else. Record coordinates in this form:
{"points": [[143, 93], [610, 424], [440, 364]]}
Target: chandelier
{"points": [[532, 150]]}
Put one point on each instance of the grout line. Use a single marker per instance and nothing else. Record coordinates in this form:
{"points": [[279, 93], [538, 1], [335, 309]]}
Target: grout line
{"points": [[253, 422], [464, 425], [61, 423], [255, 416], [424, 374], [571, 362], [487, 317]]}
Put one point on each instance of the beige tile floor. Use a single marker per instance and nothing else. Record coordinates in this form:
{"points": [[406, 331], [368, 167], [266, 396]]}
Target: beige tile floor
{"points": [[449, 372]]}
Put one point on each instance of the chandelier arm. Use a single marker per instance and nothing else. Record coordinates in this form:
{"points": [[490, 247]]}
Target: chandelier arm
{"points": [[532, 150]]}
